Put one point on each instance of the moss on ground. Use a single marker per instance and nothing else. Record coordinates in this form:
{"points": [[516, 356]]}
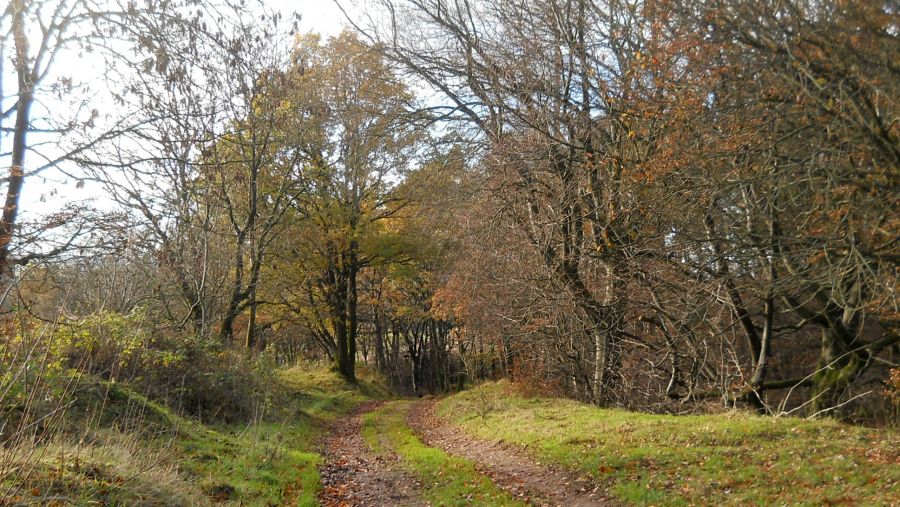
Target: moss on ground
{"points": [[732, 458]]}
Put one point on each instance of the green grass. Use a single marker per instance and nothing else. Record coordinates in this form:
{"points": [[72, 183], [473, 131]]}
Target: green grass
{"points": [[447, 480], [275, 462], [323, 394], [139, 451], [732, 458], [266, 464]]}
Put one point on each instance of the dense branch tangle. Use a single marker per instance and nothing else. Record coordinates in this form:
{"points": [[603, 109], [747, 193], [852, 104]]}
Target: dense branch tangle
{"points": [[738, 154], [643, 203]]}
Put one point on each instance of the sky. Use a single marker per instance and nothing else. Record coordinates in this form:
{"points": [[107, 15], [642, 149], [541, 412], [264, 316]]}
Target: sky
{"points": [[321, 16], [52, 190]]}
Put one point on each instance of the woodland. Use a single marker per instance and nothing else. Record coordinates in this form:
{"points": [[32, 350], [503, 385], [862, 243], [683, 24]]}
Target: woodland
{"points": [[638, 212]]}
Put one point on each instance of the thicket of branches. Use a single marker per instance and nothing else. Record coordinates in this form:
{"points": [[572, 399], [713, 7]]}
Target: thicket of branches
{"points": [[658, 205], [679, 200]]}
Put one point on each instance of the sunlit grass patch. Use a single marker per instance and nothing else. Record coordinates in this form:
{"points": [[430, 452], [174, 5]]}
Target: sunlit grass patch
{"points": [[187, 464], [262, 465], [114, 468], [733, 458], [321, 393], [117, 447]]}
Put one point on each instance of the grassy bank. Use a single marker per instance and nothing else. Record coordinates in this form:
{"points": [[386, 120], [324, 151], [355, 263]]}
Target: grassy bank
{"points": [[446, 480], [733, 458], [172, 460]]}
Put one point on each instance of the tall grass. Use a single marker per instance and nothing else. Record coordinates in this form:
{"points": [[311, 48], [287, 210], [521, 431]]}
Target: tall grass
{"points": [[88, 406]]}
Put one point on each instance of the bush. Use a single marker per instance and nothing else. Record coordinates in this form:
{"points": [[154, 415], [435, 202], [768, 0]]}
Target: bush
{"points": [[216, 384], [192, 376]]}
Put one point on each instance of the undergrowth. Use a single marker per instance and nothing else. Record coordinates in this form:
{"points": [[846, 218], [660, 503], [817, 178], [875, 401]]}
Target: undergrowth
{"points": [[116, 446]]}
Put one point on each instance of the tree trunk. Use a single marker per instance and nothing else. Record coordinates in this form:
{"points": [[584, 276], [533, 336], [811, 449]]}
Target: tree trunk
{"points": [[839, 367], [343, 315], [352, 320], [380, 359], [250, 338], [226, 332], [23, 116], [345, 365]]}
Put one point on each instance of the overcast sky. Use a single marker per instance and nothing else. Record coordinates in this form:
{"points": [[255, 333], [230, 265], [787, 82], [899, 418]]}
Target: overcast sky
{"points": [[322, 16], [49, 191]]}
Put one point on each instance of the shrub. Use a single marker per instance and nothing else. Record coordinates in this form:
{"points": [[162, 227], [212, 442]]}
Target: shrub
{"points": [[192, 376]]}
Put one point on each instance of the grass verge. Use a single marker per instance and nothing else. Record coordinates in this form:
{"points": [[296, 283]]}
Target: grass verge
{"points": [[447, 480], [724, 459], [137, 451], [275, 462]]}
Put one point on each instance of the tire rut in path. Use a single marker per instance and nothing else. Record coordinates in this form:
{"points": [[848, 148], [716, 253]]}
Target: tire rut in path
{"points": [[507, 466], [353, 476]]}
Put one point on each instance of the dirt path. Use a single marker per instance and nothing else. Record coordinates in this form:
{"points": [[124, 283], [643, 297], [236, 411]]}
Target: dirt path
{"points": [[507, 466], [353, 476]]}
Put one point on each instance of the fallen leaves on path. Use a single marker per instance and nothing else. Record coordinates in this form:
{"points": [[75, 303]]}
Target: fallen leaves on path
{"points": [[353, 476]]}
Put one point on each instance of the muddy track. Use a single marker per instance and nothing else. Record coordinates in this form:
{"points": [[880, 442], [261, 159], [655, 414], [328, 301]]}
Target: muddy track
{"points": [[507, 466], [353, 476]]}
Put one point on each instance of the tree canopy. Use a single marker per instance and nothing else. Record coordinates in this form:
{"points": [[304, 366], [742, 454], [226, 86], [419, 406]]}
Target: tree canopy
{"points": [[645, 204]]}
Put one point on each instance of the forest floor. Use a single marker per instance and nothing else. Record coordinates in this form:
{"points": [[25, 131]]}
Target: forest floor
{"points": [[343, 445], [399, 453], [492, 446], [133, 451], [730, 458], [508, 466], [353, 475]]}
